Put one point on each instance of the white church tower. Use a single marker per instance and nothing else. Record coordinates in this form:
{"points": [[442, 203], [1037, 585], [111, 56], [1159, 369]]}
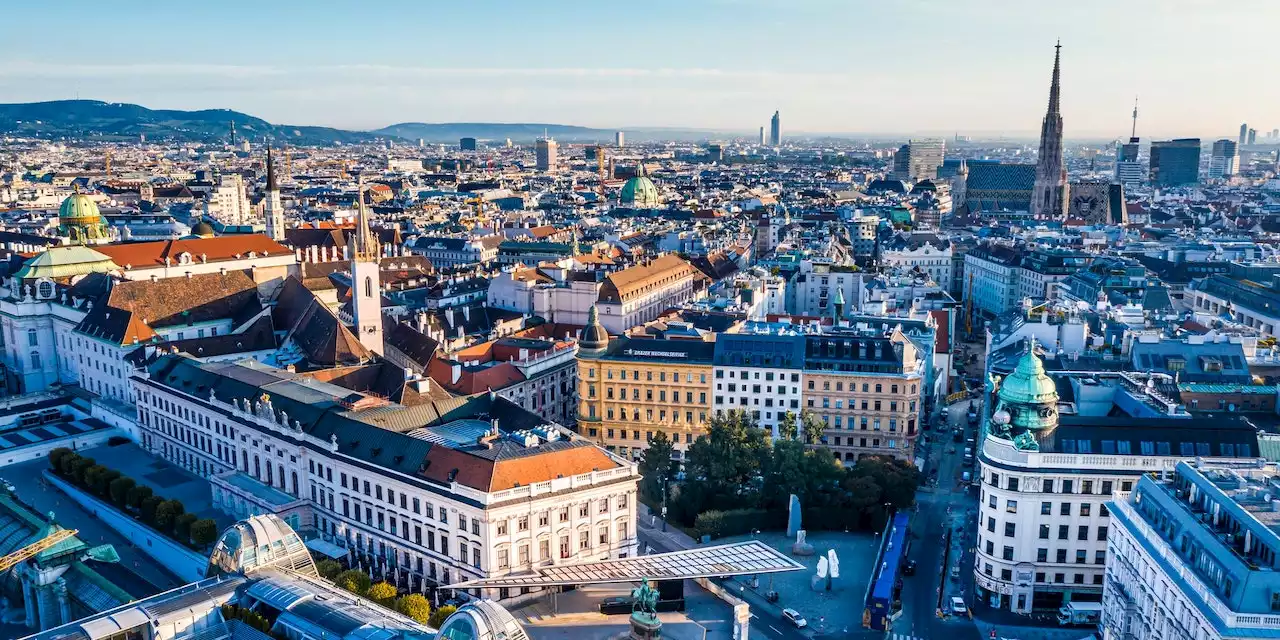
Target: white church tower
{"points": [[366, 294], [272, 210]]}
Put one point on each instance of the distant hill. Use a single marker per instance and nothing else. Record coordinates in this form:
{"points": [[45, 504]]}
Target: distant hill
{"points": [[450, 132], [94, 119], [91, 119]]}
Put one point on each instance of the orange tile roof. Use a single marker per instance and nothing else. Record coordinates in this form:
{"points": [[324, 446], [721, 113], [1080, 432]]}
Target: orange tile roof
{"points": [[542, 467], [151, 254]]}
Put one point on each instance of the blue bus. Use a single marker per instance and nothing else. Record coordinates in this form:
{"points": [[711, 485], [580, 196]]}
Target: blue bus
{"points": [[880, 599]]}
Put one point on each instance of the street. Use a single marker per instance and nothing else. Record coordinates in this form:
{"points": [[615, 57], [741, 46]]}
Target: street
{"points": [[941, 507]]}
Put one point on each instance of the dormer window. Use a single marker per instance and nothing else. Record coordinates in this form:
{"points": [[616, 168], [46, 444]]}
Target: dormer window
{"points": [[184, 258], [44, 289]]}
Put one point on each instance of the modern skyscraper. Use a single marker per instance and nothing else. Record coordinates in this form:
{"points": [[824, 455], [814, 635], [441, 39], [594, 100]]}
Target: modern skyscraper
{"points": [[775, 129], [366, 285], [467, 144], [1224, 159], [1049, 195], [272, 209], [902, 162], [1253, 136], [1244, 133], [919, 159], [762, 136], [1175, 162], [1275, 134], [619, 140], [546, 154], [1128, 170]]}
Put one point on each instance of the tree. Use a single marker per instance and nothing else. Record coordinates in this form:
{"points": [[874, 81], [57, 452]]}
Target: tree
{"points": [[81, 468], [120, 490], [89, 478], [382, 593], [812, 426], [655, 466], [328, 569], [415, 606], [102, 481], [440, 615], [138, 494], [353, 580], [148, 506], [68, 464], [787, 426], [204, 532], [56, 456], [166, 514], [182, 526]]}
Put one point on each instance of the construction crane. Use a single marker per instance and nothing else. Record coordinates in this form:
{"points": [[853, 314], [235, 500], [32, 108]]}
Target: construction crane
{"points": [[26, 553]]}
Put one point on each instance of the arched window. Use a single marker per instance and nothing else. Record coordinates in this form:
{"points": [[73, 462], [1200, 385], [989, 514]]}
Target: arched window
{"points": [[368, 287], [35, 359]]}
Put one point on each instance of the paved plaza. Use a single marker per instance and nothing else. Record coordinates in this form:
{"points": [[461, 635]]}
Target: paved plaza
{"points": [[831, 611], [576, 615]]}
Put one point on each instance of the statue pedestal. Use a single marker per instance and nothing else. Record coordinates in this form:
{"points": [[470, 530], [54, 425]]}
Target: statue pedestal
{"points": [[802, 549], [645, 626]]}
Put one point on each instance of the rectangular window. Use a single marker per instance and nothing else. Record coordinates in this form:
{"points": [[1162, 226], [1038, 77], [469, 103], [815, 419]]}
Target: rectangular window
{"points": [[1086, 509], [1063, 532], [1082, 532], [1061, 556], [1044, 532], [1009, 529], [1042, 555], [1046, 508], [1064, 509]]}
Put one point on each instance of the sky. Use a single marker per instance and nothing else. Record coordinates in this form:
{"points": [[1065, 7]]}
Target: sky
{"points": [[977, 67]]}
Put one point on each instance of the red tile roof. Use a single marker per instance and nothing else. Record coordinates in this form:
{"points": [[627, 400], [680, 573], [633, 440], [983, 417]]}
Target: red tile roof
{"points": [[151, 254]]}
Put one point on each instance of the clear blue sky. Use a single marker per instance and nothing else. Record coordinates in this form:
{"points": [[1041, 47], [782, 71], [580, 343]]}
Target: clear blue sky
{"points": [[902, 66]]}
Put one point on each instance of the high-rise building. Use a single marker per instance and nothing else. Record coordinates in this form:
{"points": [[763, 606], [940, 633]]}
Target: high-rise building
{"points": [[1128, 170], [1175, 162], [467, 144], [1253, 136], [1049, 195], [1275, 134], [902, 162], [762, 136], [619, 140], [1244, 133], [919, 159], [775, 129], [1224, 159], [272, 209], [546, 154]]}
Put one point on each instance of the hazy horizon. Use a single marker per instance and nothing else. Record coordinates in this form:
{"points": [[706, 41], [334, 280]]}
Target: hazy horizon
{"points": [[919, 67]]}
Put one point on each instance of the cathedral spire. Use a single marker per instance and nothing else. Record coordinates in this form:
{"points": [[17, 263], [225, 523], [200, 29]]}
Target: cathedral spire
{"points": [[366, 245], [271, 172], [1053, 86]]}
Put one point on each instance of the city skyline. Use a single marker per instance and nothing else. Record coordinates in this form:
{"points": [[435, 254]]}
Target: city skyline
{"points": [[551, 65]]}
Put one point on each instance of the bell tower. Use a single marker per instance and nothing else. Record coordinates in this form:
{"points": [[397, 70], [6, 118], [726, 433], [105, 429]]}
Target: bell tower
{"points": [[366, 289]]}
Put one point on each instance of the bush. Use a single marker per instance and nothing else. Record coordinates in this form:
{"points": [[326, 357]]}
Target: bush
{"points": [[80, 468], [353, 580], [166, 514], [382, 593], [67, 465], [720, 524], [329, 569], [138, 494], [56, 456], [89, 478], [204, 532], [102, 482], [415, 607], [440, 615], [182, 526], [121, 489], [148, 508]]}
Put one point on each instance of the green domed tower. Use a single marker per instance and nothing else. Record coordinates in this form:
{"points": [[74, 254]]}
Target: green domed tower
{"points": [[1027, 401], [81, 222], [639, 192]]}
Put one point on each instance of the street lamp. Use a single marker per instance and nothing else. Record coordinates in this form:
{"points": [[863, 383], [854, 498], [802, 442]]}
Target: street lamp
{"points": [[664, 505]]}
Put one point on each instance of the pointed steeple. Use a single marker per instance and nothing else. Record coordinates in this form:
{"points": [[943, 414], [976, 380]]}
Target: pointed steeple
{"points": [[1053, 86], [271, 172], [366, 244]]}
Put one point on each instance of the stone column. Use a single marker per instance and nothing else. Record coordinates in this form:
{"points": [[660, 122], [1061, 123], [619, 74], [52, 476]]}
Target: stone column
{"points": [[29, 599], [64, 603]]}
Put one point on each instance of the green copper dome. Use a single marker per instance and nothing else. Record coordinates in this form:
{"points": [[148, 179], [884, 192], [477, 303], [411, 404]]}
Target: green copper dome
{"points": [[80, 208], [1028, 384], [640, 193]]}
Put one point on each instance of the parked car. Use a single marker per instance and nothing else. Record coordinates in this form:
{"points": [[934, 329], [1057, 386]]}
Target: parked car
{"points": [[795, 618], [958, 607], [615, 605], [771, 596]]}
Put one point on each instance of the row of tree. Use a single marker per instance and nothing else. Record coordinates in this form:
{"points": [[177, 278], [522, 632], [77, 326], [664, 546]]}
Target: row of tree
{"points": [[737, 466], [167, 516], [413, 605]]}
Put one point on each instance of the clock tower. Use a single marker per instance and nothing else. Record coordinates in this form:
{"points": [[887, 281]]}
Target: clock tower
{"points": [[366, 289]]}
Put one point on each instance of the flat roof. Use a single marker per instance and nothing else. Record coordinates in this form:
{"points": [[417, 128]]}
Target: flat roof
{"points": [[735, 559]]}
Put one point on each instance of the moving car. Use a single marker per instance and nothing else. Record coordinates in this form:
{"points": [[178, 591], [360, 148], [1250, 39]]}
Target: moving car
{"points": [[958, 607], [795, 618], [615, 605], [910, 568]]}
